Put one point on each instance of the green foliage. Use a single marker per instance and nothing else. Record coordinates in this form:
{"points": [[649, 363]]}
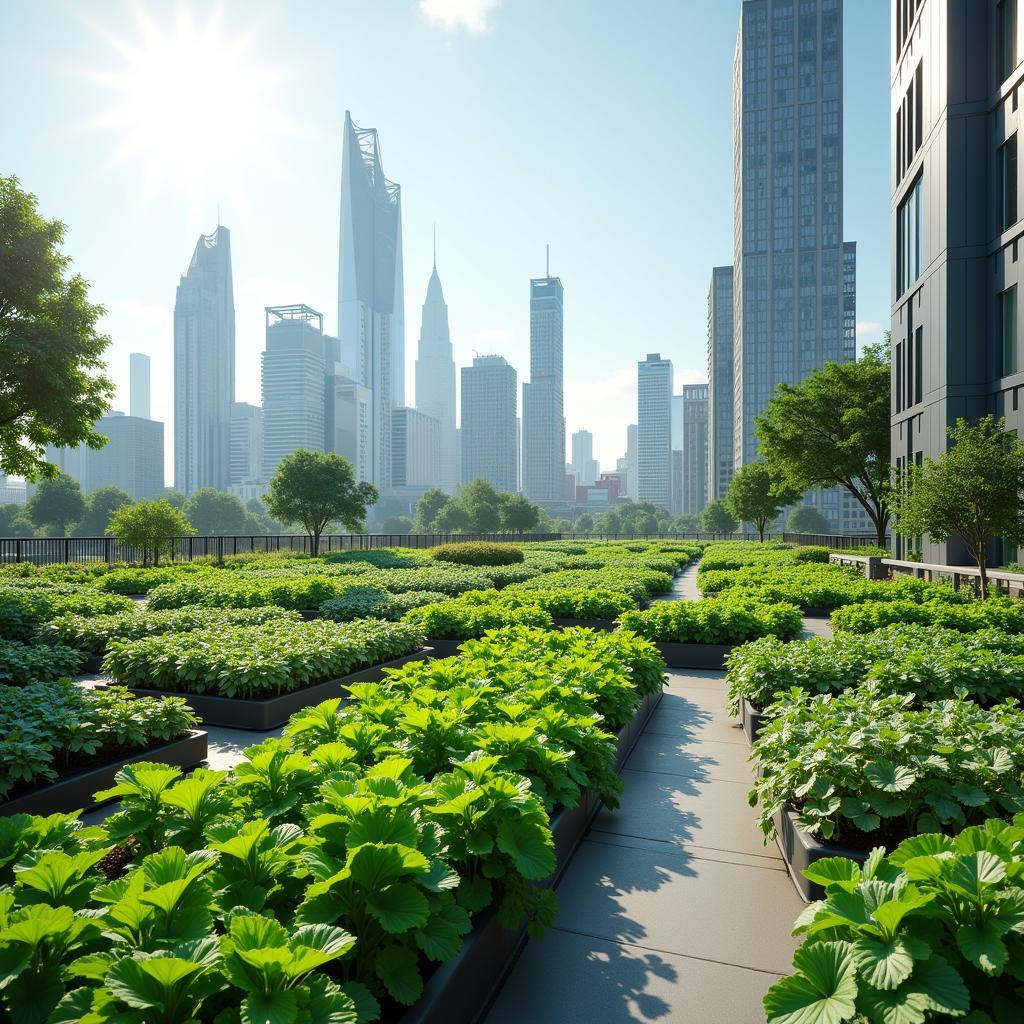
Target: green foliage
{"points": [[458, 619], [357, 602], [53, 384], [725, 620], [518, 513], [757, 496], [57, 504], [14, 522], [427, 508], [716, 518], [23, 610], [152, 526], [243, 590], [212, 512], [397, 524], [133, 581], [102, 503], [478, 553], [639, 583], [317, 488], [27, 663], [381, 558], [257, 661], [449, 580], [807, 519], [1004, 614], [974, 490]]}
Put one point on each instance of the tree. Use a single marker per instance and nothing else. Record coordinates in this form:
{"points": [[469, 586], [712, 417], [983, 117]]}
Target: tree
{"points": [[685, 524], [101, 505], [451, 518], [254, 525], [397, 524], [214, 512], [974, 490], [644, 523], [584, 523], [518, 513], [483, 506], [316, 488], [834, 428], [807, 519], [562, 526], [14, 522], [716, 519], [756, 496], [57, 503], [153, 526], [52, 384], [174, 498], [609, 523], [427, 509]]}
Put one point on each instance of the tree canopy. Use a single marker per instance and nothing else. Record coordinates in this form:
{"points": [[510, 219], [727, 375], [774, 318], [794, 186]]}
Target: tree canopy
{"points": [[427, 508], [807, 519], [397, 524], [14, 522], [974, 490], [152, 526], [217, 513], [101, 504], [317, 488], [756, 496], [833, 428], [57, 504], [518, 513], [52, 382], [716, 519]]}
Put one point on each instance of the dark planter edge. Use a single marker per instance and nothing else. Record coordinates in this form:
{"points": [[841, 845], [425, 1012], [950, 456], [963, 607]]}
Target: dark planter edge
{"points": [[602, 625], [800, 850], [77, 792], [271, 712], [463, 990], [443, 647], [818, 613], [752, 720], [696, 656]]}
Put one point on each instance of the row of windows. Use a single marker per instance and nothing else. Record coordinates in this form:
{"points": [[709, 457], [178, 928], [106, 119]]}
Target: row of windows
{"points": [[1007, 38], [909, 123], [910, 238], [905, 13]]}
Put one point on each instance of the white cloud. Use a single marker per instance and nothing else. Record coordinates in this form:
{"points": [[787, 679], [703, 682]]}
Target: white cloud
{"points": [[869, 330], [452, 15]]}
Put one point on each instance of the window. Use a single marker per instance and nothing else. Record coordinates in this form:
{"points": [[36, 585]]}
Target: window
{"points": [[1008, 183], [919, 365], [910, 237], [1008, 330], [899, 377], [1007, 38]]}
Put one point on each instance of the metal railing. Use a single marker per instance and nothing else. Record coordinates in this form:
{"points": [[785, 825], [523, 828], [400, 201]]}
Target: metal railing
{"points": [[833, 540], [960, 576]]}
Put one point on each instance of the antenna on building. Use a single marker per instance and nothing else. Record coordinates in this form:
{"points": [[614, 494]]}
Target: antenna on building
{"points": [[547, 260]]}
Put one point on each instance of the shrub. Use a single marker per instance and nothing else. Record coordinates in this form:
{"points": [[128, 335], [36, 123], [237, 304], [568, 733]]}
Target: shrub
{"points": [[478, 552], [578, 602], [142, 581], [811, 554], [725, 620], [458, 620], [28, 663], [399, 604], [358, 602], [380, 558], [640, 584], [863, 767], [450, 580], [240, 590], [257, 661], [1004, 614], [22, 611]]}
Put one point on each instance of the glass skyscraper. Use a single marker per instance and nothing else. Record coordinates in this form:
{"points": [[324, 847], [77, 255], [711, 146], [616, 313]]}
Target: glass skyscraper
{"points": [[654, 431], [720, 387]]}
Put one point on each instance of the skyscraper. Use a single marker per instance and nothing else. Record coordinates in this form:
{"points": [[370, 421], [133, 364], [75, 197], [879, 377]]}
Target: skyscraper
{"points": [[720, 383], [435, 380], [583, 463], [204, 366], [789, 260], [489, 423], [543, 404], [138, 371], [371, 318], [246, 444], [694, 489], [415, 449], [631, 461], [654, 430]]}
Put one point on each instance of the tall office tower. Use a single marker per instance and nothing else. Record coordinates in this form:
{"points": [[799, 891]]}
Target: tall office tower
{"points": [[348, 422], [435, 380], [956, 311], [294, 367], [788, 199], [138, 379], [720, 383], [695, 402], [654, 430], [585, 466], [849, 302], [415, 448], [543, 406], [631, 461], [371, 302], [676, 430], [488, 430], [132, 458], [246, 443], [204, 366]]}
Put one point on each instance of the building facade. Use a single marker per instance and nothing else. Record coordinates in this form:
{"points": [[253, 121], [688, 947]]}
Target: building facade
{"points": [[132, 458], [631, 461], [584, 465], [415, 449], [348, 422], [654, 430], [246, 443], [138, 375], [720, 383], [371, 317], [694, 489], [543, 401], [956, 229], [435, 382], [488, 423], [204, 366]]}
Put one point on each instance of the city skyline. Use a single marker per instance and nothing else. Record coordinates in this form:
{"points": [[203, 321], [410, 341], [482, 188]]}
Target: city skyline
{"points": [[484, 294]]}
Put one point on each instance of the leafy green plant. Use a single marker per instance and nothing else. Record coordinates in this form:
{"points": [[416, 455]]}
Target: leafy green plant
{"points": [[638, 582], [244, 590], [23, 609], [458, 620], [26, 663], [381, 558], [731, 619], [358, 602], [141, 581], [1006, 614], [478, 553]]}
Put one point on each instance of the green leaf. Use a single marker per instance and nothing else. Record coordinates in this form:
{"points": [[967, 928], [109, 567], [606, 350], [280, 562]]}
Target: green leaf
{"points": [[529, 845], [823, 992], [983, 946], [834, 871], [149, 983], [270, 1008], [367, 1007], [971, 875], [374, 864], [883, 964], [399, 907], [397, 968], [439, 939], [941, 986], [889, 778]]}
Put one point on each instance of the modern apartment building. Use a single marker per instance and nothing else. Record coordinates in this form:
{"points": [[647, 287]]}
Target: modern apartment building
{"points": [[415, 449], [694, 485], [654, 430], [543, 401], [720, 387], [631, 461], [584, 465], [138, 375], [371, 316], [488, 423], [204, 366], [246, 444], [956, 227]]}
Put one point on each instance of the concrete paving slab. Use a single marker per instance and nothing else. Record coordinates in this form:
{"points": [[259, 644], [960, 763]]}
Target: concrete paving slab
{"points": [[680, 903], [695, 725], [660, 847], [600, 982], [707, 760]]}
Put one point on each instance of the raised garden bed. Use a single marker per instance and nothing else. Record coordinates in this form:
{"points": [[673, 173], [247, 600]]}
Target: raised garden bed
{"points": [[92, 665], [462, 990], [605, 625], [800, 850], [752, 720], [443, 648], [76, 792], [271, 712], [697, 656]]}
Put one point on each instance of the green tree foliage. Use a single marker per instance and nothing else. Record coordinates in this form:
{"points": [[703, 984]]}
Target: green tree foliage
{"points": [[152, 526], [14, 522], [584, 523], [316, 488], [833, 428], [100, 506], [685, 524], [757, 496], [427, 509], [52, 384], [216, 513], [518, 514], [716, 518], [57, 504], [483, 506], [807, 519], [397, 524], [450, 518], [974, 490], [174, 498], [629, 518]]}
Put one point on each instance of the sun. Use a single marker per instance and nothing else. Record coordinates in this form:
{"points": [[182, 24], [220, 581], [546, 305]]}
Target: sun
{"points": [[190, 103]]}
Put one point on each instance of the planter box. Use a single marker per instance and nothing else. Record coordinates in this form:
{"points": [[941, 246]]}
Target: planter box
{"points": [[310, 613], [462, 990], [76, 793], [443, 648], [817, 613], [800, 850], [752, 720], [605, 625], [271, 712], [700, 656], [92, 665]]}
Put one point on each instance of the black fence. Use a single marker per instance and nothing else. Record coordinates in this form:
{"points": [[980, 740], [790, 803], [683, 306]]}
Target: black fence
{"points": [[833, 540]]}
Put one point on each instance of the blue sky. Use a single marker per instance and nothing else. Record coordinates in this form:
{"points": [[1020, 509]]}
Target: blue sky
{"points": [[602, 127]]}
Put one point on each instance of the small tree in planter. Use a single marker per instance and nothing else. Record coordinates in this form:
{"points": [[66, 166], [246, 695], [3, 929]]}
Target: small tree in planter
{"points": [[316, 488], [150, 525], [755, 496], [974, 490]]}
